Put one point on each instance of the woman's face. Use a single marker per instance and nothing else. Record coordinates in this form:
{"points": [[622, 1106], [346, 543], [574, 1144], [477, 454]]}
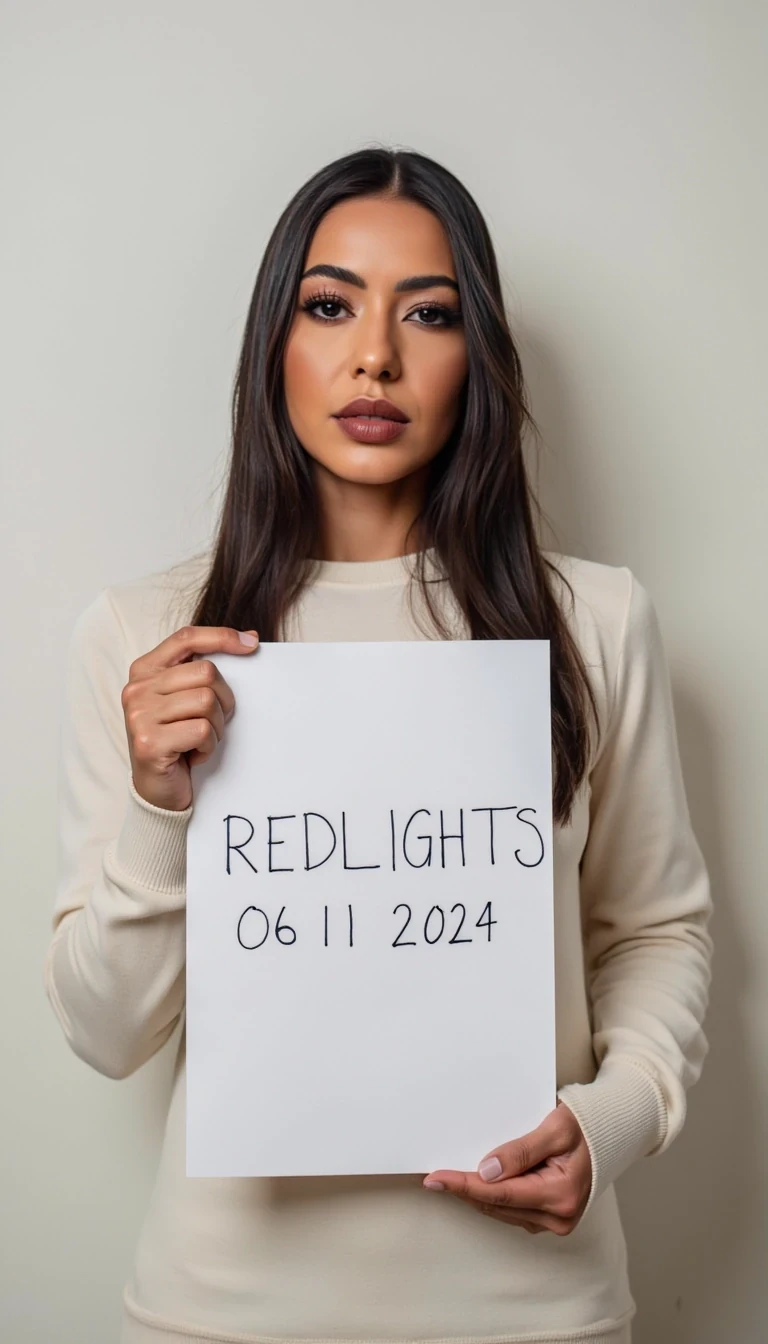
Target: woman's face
{"points": [[364, 338]]}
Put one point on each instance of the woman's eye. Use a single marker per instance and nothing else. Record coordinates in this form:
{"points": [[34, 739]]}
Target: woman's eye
{"points": [[431, 310], [447, 317], [311, 304]]}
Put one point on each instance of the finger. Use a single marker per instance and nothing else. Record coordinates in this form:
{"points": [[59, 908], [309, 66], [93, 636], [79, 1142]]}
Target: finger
{"points": [[520, 1217], [199, 702], [147, 712], [564, 1198], [557, 1134], [539, 1218], [184, 643], [533, 1220], [502, 1216], [167, 742], [187, 676], [536, 1189]]}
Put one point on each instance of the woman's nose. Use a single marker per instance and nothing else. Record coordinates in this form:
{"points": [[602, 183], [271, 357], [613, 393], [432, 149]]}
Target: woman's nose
{"points": [[375, 349]]}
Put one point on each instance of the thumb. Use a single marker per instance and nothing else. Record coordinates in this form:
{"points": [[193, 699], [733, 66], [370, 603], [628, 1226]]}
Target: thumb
{"points": [[512, 1159]]}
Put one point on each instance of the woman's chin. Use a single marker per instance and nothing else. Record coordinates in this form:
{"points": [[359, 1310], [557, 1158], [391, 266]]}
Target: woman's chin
{"points": [[368, 464]]}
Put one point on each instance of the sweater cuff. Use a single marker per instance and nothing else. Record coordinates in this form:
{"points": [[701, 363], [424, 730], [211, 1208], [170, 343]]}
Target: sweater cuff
{"points": [[622, 1116], [151, 849]]}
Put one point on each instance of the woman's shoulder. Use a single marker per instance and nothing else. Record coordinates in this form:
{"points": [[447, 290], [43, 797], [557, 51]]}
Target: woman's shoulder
{"points": [[147, 607], [594, 594], [596, 600]]}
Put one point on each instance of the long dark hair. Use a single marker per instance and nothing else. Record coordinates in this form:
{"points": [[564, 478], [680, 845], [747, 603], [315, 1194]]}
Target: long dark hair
{"points": [[478, 507]]}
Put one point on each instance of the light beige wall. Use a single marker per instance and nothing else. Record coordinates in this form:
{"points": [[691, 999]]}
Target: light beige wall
{"points": [[618, 151]]}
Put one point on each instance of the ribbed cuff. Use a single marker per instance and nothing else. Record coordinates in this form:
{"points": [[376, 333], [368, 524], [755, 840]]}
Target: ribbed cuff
{"points": [[622, 1115], [151, 849]]}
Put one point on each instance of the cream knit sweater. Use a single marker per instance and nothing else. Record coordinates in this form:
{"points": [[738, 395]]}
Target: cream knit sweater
{"points": [[299, 1259]]}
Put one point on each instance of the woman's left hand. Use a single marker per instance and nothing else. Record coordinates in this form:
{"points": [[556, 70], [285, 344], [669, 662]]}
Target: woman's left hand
{"points": [[540, 1182]]}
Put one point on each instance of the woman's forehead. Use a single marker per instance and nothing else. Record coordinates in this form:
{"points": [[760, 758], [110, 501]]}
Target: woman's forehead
{"points": [[385, 239]]}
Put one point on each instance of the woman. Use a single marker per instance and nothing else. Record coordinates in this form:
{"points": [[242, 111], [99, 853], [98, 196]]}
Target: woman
{"points": [[379, 296]]}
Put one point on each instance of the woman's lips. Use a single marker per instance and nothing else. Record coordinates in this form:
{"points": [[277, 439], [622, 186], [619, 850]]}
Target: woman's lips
{"points": [[373, 429]]}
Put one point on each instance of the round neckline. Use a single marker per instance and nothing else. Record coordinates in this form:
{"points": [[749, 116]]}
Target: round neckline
{"points": [[394, 569]]}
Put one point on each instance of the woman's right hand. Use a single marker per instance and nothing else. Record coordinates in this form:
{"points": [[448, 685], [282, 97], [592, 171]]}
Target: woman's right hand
{"points": [[175, 710]]}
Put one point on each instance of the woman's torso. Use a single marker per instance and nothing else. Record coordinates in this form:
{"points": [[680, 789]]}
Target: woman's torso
{"points": [[379, 1258]]}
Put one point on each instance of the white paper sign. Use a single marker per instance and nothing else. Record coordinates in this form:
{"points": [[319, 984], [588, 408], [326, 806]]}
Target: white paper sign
{"points": [[370, 945]]}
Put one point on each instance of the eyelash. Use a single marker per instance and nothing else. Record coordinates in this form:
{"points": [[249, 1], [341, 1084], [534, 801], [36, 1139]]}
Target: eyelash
{"points": [[451, 315]]}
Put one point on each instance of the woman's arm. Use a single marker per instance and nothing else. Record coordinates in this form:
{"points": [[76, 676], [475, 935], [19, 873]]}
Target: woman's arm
{"points": [[646, 905], [115, 968]]}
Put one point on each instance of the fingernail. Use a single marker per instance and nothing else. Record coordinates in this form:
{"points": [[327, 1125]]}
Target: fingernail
{"points": [[489, 1168], [250, 640], [433, 1185]]}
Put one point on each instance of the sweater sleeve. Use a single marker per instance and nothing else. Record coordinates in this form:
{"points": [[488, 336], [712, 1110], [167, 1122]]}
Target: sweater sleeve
{"points": [[114, 971], [646, 906]]}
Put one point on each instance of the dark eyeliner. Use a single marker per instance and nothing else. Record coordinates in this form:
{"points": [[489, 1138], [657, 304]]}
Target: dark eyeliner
{"points": [[452, 317]]}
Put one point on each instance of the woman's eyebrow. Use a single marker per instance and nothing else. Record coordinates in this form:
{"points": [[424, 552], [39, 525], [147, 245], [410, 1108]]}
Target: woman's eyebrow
{"points": [[403, 286]]}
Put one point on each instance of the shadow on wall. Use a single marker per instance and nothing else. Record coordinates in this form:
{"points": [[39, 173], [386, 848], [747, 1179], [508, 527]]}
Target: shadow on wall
{"points": [[692, 1215]]}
